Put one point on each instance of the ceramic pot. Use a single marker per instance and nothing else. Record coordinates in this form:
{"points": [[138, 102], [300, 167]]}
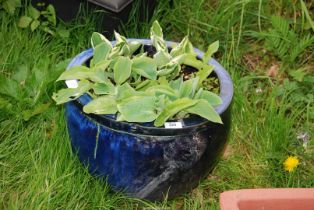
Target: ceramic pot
{"points": [[142, 160]]}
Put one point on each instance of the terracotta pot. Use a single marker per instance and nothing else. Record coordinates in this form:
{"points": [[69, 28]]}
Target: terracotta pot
{"points": [[268, 199]]}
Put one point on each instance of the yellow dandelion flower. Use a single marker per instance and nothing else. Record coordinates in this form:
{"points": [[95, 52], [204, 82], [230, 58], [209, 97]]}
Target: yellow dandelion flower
{"points": [[291, 163]]}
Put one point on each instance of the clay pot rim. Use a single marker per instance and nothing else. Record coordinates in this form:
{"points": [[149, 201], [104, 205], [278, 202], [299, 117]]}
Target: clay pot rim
{"points": [[270, 193], [231, 199]]}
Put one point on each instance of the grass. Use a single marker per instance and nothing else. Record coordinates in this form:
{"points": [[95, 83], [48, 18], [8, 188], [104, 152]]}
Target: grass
{"points": [[37, 167]]}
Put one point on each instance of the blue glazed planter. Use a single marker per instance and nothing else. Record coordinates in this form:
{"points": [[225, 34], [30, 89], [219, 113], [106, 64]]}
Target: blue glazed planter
{"points": [[142, 160]]}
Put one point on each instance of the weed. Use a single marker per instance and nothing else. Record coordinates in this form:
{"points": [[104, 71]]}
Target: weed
{"points": [[10, 6], [284, 42], [44, 20]]}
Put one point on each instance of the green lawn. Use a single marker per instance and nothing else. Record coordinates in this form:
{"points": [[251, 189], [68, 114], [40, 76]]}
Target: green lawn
{"points": [[267, 47]]}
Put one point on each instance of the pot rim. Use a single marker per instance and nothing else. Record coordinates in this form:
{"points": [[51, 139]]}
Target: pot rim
{"points": [[225, 82]]}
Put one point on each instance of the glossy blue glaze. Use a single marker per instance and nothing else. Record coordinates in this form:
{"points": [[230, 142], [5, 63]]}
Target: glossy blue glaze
{"points": [[144, 161]]}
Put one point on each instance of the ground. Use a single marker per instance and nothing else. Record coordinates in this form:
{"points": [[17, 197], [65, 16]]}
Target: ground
{"points": [[266, 46]]}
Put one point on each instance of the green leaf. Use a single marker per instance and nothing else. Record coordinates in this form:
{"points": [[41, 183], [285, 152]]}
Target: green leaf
{"points": [[163, 81], [170, 70], [141, 84], [121, 48], [204, 73], [212, 48], [145, 67], [52, 15], [125, 91], [47, 29], [76, 72], [69, 94], [104, 88], [101, 65], [10, 5], [21, 74], [185, 46], [64, 33], [155, 29], [119, 37], [33, 12], [161, 58], [198, 93], [101, 105], [156, 36], [161, 103], [162, 90], [134, 45], [188, 88], [9, 87], [101, 52], [83, 72], [146, 84], [180, 58], [37, 83], [205, 110], [98, 76], [211, 98], [135, 79], [24, 21], [203, 68], [98, 38], [35, 24], [138, 108], [172, 109], [122, 69], [298, 74], [176, 84]]}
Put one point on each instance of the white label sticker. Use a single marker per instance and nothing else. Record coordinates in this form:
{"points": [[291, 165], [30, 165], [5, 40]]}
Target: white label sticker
{"points": [[71, 83], [173, 125]]}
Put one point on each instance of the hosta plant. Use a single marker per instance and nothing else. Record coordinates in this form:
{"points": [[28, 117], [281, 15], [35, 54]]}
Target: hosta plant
{"points": [[144, 84]]}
